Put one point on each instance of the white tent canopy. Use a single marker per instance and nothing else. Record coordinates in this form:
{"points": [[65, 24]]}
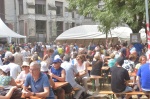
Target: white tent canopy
{"points": [[7, 32], [83, 32], [92, 32]]}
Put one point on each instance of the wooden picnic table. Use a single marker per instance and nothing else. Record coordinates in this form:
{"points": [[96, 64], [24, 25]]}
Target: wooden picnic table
{"points": [[105, 67], [107, 57], [59, 84], [31, 97], [89, 68]]}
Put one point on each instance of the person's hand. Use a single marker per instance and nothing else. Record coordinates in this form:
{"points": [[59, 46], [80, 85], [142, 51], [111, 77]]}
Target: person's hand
{"points": [[140, 89], [1, 87], [27, 93], [17, 81], [14, 87], [51, 74]]}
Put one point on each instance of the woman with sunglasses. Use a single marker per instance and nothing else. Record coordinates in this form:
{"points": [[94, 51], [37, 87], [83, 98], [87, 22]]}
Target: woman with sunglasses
{"points": [[22, 76], [81, 66]]}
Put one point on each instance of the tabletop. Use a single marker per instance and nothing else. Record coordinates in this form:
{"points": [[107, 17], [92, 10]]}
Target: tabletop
{"points": [[59, 84]]}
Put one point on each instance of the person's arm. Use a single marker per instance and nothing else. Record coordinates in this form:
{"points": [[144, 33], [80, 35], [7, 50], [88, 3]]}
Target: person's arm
{"points": [[138, 79], [51, 82], [62, 78], [9, 94], [138, 82], [13, 83], [43, 94]]}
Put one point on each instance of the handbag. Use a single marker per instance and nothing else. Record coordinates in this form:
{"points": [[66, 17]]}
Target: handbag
{"points": [[68, 88]]}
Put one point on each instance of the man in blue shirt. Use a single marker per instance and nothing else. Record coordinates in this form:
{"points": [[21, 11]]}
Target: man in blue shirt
{"points": [[40, 85], [143, 78]]}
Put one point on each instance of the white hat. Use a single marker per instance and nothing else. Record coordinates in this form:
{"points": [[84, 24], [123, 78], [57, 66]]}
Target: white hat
{"points": [[25, 63], [5, 68], [44, 66], [57, 57]]}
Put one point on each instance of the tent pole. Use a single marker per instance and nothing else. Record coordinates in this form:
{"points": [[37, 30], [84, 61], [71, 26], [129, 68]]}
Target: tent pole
{"points": [[92, 40]]}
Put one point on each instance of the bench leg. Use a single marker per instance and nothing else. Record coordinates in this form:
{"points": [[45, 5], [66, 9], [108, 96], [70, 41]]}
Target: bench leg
{"points": [[93, 85]]}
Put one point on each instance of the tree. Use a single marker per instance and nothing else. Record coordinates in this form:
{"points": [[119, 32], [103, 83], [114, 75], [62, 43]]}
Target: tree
{"points": [[112, 13]]}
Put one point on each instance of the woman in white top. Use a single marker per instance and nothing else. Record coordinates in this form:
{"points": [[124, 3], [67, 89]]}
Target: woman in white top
{"points": [[22, 76], [81, 66]]}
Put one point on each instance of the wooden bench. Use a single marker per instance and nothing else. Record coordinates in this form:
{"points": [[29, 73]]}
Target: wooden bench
{"points": [[127, 93], [93, 78]]}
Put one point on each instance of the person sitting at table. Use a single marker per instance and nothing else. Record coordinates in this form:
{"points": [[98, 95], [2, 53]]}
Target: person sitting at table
{"points": [[40, 85], [58, 75], [83, 72], [143, 80], [129, 64], [71, 73], [96, 68], [5, 79], [112, 61], [44, 69], [120, 78], [9, 93], [22, 76]]}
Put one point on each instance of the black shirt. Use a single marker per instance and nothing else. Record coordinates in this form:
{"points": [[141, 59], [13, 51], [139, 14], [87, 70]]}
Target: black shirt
{"points": [[96, 68], [118, 77]]}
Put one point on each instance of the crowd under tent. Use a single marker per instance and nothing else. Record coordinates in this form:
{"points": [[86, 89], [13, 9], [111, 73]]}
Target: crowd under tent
{"points": [[6, 32], [90, 33]]}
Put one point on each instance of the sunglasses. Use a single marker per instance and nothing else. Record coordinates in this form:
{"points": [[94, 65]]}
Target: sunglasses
{"points": [[24, 66]]}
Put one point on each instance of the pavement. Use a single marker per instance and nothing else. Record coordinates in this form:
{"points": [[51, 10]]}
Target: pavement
{"points": [[107, 87]]}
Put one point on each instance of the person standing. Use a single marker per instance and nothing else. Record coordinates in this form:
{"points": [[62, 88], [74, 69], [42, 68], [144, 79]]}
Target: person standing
{"points": [[18, 56]]}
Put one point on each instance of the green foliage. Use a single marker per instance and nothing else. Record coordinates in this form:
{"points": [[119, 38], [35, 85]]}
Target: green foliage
{"points": [[112, 13]]}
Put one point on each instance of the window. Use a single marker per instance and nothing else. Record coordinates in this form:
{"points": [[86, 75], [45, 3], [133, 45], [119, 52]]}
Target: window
{"points": [[40, 27], [20, 7], [21, 27], [59, 27], [59, 8], [40, 6], [40, 9], [67, 26]]}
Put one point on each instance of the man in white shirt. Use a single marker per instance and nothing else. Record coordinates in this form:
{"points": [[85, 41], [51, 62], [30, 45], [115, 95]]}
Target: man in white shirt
{"points": [[71, 72], [14, 68], [26, 53]]}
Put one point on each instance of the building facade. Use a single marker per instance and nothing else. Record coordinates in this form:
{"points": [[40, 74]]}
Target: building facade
{"points": [[40, 20]]}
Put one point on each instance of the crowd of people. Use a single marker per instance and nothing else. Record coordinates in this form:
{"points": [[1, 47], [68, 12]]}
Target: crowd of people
{"points": [[34, 68]]}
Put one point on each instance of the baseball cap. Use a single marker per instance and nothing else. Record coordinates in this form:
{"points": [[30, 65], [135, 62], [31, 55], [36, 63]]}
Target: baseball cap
{"points": [[57, 60], [5, 68]]}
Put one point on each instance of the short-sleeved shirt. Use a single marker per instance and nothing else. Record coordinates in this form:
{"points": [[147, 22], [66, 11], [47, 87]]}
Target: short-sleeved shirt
{"points": [[22, 75], [14, 70], [118, 77], [128, 65], [38, 86], [70, 71], [5, 80], [56, 72], [138, 66], [144, 74]]}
